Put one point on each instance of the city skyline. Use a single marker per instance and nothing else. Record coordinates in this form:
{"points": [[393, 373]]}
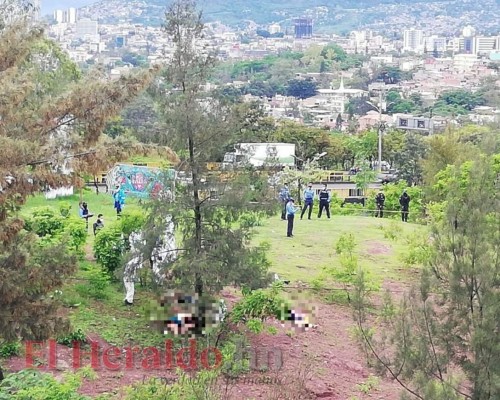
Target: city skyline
{"points": [[49, 6]]}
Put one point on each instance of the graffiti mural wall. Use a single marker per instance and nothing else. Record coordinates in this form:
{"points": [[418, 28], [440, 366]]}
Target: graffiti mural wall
{"points": [[142, 182]]}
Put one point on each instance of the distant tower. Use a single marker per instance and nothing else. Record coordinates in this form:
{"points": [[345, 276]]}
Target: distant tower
{"points": [[59, 16], [303, 28], [71, 19], [468, 33]]}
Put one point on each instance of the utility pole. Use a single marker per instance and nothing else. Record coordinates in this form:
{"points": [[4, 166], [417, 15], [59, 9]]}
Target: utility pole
{"points": [[380, 133]]}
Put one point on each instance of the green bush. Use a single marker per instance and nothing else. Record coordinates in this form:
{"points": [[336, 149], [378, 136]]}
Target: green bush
{"points": [[76, 229], [45, 221], [393, 231], [97, 283], [261, 304], [54, 228], [131, 221], [392, 192], [250, 220], [234, 362], [108, 248], [419, 250], [31, 384], [10, 349], [77, 336], [202, 386]]}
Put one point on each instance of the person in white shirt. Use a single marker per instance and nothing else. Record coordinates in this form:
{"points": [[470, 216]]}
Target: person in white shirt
{"points": [[130, 272]]}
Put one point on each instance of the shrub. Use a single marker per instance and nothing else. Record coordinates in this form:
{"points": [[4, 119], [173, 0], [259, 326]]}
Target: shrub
{"points": [[44, 221], [260, 304], [393, 231], [419, 250], [76, 229], [131, 221], [392, 192], [97, 283], [108, 248], [10, 349], [202, 386], [32, 384], [346, 273], [250, 220], [234, 363], [77, 336]]}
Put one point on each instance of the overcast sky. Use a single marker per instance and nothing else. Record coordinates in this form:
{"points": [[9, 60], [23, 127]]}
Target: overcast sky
{"points": [[48, 6]]}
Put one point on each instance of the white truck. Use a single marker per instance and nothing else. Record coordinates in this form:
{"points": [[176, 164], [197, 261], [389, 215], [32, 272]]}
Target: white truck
{"points": [[260, 155]]}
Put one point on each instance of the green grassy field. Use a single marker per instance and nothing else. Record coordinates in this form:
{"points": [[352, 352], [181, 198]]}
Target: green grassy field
{"points": [[313, 245]]}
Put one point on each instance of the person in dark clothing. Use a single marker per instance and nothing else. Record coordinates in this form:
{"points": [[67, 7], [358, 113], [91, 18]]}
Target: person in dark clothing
{"points": [[99, 224], [284, 197], [308, 201], [324, 202], [379, 201], [404, 201], [290, 216]]}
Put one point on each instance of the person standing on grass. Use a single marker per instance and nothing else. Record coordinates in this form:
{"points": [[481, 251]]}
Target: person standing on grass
{"points": [[324, 202], [404, 201], [131, 268], [308, 201], [119, 198], [379, 201], [290, 216], [284, 197]]}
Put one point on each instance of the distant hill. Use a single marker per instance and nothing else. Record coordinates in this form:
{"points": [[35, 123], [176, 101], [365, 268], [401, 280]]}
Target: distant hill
{"points": [[339, 16]]}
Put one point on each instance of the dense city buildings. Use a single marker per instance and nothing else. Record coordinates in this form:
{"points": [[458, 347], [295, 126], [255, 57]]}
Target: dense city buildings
{"points": [[431, 61]]}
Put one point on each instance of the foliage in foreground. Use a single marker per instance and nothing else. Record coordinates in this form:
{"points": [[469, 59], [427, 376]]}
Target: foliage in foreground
{"points": [[31, 384], [441, 341]]}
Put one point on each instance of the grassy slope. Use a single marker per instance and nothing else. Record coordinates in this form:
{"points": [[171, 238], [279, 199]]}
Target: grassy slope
{"points": [[299, 258], [313, 247]]}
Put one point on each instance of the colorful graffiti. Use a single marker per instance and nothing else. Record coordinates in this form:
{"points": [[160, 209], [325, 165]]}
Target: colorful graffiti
{"points": [[142, 182]]}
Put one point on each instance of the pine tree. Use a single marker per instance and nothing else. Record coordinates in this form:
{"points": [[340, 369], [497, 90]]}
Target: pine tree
{"points": [[442, 340], [213, 214], [49, 117]]}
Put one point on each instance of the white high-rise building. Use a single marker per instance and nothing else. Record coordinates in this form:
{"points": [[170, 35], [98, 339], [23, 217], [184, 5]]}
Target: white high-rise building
{"points": [[413, 40], [59, 16], [71, 16]]}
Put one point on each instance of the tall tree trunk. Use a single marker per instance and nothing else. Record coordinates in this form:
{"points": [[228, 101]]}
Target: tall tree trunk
{"points": [[197, 210]]}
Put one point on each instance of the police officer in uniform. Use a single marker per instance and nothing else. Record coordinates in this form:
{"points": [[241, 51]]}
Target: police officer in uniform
{"points": [[308, 201], [380, 200], [324, 202]]}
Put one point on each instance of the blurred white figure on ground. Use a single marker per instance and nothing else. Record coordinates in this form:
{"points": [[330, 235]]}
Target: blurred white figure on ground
{"points": [[165, 250], [61, 192], [135, 263], [222, 310]]}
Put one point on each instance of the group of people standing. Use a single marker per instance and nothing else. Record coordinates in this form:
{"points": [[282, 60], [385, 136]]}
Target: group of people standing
{"points": [[289, 209], [404, 202]]}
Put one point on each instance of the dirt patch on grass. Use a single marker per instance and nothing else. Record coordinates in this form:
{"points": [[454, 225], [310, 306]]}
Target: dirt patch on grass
{"points": [[375, 248]]}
